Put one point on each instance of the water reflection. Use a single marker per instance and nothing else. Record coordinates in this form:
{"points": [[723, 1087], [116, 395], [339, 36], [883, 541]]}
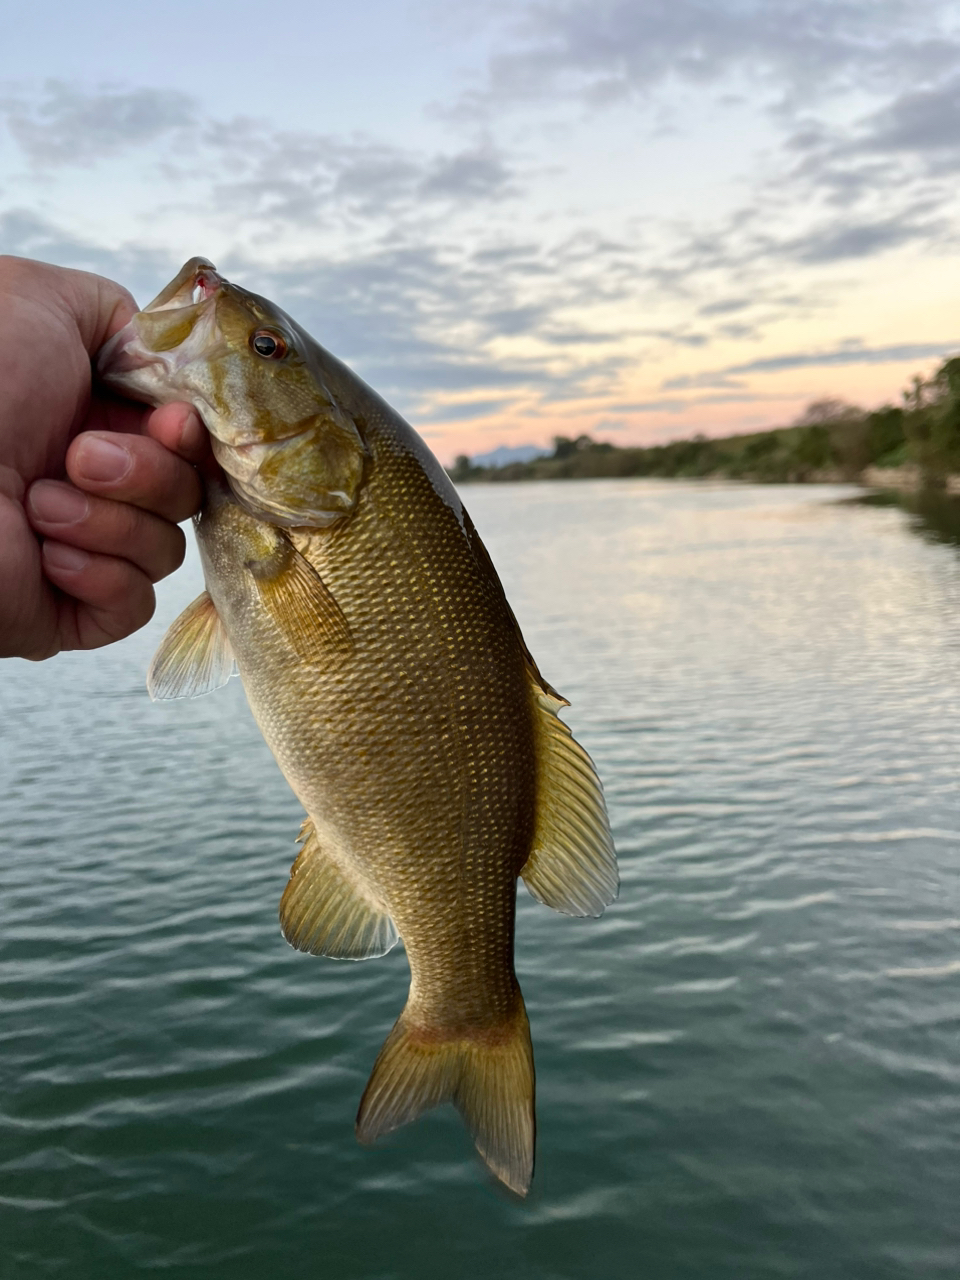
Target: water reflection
{"points": [[747, 1069], [934, 513]]}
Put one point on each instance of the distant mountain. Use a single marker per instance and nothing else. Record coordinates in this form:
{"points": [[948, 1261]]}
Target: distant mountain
{"points": [[505, 454]]}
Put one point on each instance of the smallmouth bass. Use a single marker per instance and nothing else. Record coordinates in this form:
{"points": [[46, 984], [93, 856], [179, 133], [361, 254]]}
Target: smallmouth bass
{"points": [[390, 680]]}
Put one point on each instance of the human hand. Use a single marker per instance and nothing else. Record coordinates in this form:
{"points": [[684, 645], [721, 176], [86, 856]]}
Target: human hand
{"points": [[102, 481]]}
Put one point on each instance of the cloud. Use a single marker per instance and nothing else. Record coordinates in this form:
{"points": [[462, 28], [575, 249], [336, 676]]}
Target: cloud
{"points": [[143, 271], [515, 320], [68, 126], [269, 175], [903, 155], [606, 51], [663, 405], [382, 313], [573, 337], [885, 77], [678, 405], [725, 306], [430, 271], [843, 240], [918, 123], [476, 173], [294, 178], [761, 257], [465, 412], [844, 355]]}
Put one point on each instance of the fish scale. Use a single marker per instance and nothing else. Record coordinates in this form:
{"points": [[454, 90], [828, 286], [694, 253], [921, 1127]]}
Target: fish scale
{"points": [[389, 678]]}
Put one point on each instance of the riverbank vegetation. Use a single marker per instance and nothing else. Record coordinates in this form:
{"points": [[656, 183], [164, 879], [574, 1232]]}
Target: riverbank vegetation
{"points": [[830, 441]]}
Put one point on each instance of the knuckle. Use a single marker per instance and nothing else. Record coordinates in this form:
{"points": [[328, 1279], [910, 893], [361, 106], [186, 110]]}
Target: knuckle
{"points": [[143, 607], [129, 603], [170, 553], [154, 546], [168, 485]]}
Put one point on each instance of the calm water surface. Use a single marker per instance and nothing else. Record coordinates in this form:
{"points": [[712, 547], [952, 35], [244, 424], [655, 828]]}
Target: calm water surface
{"points": [[748, 1068]]}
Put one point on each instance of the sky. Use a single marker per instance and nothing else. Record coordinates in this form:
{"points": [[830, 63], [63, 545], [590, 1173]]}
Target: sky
{"points": [[639, 219]]}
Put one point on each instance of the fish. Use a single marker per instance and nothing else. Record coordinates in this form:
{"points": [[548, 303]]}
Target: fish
{"points": [[348, 586]]}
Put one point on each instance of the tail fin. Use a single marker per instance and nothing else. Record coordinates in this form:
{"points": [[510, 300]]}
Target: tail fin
{"points": [[489, 1080]]}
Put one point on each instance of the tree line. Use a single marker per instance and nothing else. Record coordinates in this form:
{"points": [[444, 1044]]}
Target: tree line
{"points": [[831, 441]]}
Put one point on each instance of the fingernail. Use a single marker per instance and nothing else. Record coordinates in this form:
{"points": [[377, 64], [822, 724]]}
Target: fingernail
{"points": [[58, 503], [59, 556], [99, 459]]}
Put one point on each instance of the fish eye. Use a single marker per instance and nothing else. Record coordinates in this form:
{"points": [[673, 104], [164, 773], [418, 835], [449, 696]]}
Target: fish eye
{"points": [[269, 345]]}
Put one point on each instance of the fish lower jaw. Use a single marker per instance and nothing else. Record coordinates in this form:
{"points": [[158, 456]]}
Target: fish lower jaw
{"points": [[131, 360]]}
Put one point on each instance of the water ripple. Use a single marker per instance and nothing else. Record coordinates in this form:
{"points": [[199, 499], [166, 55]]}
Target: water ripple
{"points": [[748, 1068]]}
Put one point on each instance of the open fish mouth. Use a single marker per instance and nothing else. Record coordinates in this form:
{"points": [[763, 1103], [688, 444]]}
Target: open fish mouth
{"points": [[197, 281], [177, 328]]}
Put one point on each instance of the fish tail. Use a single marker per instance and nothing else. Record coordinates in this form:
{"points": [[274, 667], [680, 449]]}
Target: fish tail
{"points": [[488, 1077]]}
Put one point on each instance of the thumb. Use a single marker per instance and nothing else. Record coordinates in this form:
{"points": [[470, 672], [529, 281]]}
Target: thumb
{"points": [[100, 307], [93, 306]]}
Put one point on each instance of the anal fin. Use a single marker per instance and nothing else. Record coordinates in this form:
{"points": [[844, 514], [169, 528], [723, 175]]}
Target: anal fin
{"points": [[194, 656], [572, 866], [323, 913]]}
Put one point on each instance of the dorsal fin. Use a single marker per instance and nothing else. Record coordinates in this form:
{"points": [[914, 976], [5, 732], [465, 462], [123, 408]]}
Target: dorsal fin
{"points": [[194, 656], [322, 912], [572, 866]]}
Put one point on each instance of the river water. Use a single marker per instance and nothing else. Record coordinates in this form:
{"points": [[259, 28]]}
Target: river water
{"points": [[748, 1068]]}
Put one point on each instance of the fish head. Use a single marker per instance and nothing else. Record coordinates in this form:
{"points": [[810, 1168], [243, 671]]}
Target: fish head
{"points": [[291, 454]]}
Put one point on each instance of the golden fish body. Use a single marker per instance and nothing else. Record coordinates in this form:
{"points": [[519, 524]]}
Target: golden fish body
{"points": [[390, 680]]}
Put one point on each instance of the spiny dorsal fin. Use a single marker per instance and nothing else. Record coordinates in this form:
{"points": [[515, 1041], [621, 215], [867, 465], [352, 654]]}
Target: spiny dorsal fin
{"points": [[572, 866], [194, 656], [298, 600], [323, 913]]}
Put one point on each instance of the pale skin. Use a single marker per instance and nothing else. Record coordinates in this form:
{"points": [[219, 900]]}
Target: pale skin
{"points": [[91, 487]]}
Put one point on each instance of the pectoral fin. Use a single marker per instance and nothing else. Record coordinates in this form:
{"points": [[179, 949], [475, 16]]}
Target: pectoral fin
{"points": [[322, 912], [299, 602], [194, 656], [572, 866]]}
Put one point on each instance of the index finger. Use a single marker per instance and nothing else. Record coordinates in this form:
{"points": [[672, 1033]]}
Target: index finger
{"points": [[177, 427]]}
